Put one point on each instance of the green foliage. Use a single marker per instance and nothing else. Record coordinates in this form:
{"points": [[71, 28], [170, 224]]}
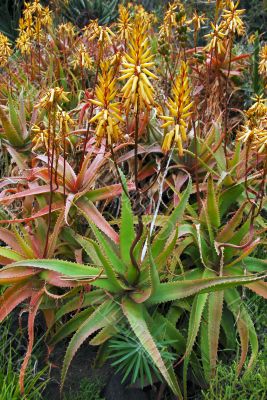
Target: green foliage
{"points": [[80, 12], [133, 361], [227, 385], [89, 390], [35, 382]]}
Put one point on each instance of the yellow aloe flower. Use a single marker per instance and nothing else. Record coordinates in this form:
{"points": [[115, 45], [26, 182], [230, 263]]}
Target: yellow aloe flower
{"points": [[5, 50], [216, 37], [67, 30], [82, 58], [263, 61], [174, 17], [254, 131], [24, 42], [179, 107], [197, 20], [52, 98], [108, 113], [231, 19], [137, 64], [124, 23]]}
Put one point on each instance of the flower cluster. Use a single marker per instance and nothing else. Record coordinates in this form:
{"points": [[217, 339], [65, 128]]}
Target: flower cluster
{"points": [[254, 131], [5, 50], [108, 113], [179, 107], [137, 64], [35, 18]]}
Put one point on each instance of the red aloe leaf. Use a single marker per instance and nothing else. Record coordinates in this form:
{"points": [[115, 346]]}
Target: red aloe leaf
{"points": [[107, 192], [55, 279], [34, 306], [244, 341], [16, 274], [70, 175], [13, 296], [41, 213], [49, 316], [69, 202], [10, 239], [259, 287], [91, 212], [53, 238], [29, 192]]}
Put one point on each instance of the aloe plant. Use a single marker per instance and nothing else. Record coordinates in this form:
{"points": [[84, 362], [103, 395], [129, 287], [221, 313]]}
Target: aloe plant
{"points": [[128, 289]]}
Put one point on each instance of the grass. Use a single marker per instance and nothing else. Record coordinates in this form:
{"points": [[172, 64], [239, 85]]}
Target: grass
{"points": [[35, 382], [89, 390], [253, 384]]}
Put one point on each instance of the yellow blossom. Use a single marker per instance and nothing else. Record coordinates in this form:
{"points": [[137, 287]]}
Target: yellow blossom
{"points": [[137, 63], [82, 58], [263, 61], [108, 113], [179, 106], [52, 98], [216, 37], [24, 42], [124, 24], [232, 21], [5, 50]]}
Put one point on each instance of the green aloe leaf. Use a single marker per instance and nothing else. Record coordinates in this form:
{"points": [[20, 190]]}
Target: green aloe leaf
{"points": [[105, 315], [193, 328], [215, 308], [245, 326], [10, 132], [134, 314], [160, 241], [180, 289], [127, 233], [71, 326]]}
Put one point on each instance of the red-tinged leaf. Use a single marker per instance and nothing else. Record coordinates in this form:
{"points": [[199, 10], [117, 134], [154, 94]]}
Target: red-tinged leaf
{"points": [[13, 296], [10, 239], [16, 274], [91, 172], [91, 212], [228, 230], [49, 316], [29, 192], [69, 203], [246, 329], [55, 279], [41, 213], [53, 239], [259, 287], [140, 150], [34, 306], [70, 176], [244, 341], [108, 192], [215, 309], [106, 314], [10, 254]]}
